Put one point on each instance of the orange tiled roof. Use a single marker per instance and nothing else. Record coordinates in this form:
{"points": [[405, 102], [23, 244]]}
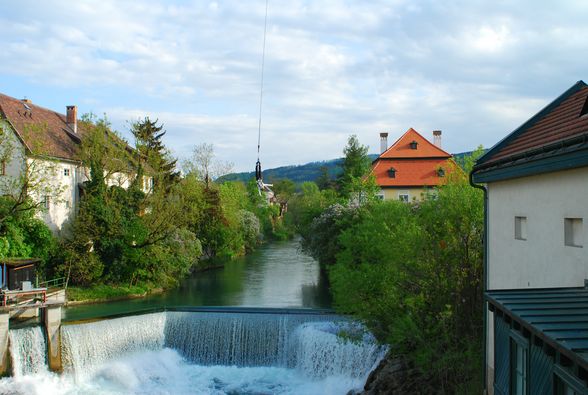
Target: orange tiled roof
{"points": [[412, 172], [425, 149], [414, 167], [43, 131]]}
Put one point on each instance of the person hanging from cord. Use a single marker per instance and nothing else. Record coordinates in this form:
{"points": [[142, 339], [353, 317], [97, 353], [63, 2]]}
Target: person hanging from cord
{"points": [[261, 186]]}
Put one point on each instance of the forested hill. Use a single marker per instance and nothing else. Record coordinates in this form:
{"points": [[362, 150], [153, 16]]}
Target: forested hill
{"points": [[307, 172]]}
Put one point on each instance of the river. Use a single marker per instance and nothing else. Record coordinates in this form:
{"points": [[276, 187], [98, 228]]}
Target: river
{"points": [[173, 347], [278, 274]]}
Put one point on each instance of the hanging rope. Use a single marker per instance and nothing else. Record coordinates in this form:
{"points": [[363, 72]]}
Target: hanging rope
{"points": [[258, 164]]}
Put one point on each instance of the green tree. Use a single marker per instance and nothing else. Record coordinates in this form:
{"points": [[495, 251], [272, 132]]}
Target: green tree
{"points": [[151, 150], [356, 182], [324, 180]]}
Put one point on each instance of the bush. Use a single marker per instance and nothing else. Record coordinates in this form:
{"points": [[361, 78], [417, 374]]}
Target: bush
{"points": [[413, 273]]}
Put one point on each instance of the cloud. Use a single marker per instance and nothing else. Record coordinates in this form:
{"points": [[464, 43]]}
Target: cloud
{"points": [[474, 69]]}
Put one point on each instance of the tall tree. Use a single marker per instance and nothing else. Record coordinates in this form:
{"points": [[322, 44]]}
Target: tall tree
{"points": [[150, 149], [324, 180], [356, 182], [203, 164]]}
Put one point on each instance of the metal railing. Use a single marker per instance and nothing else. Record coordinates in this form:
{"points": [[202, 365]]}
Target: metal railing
{"points": [[59, 282]]}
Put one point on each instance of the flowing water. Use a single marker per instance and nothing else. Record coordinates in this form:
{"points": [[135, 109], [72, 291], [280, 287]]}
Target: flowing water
{"points": [[279, 347], [276, 275], [184, 352]]}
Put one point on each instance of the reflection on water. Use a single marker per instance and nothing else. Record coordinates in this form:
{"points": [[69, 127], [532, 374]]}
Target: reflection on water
{"points": [[276, 275]]}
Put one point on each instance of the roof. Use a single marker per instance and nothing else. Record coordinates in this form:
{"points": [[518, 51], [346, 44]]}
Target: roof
{"points": [[411, 172], [17, 262], [413, 167], [401, 148], [558, 316], [42, 131], [557, 130]]}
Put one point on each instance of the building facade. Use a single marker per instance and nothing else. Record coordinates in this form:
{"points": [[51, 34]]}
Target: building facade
{"points": [[40, 152], [410, 168], [537, 252]]}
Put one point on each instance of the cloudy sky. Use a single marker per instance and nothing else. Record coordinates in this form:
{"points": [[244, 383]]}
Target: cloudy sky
{"points": [[474, 69]]}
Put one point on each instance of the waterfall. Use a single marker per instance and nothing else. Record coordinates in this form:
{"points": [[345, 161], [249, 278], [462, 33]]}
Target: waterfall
{"points": [[325, 349], [241, 339], [84, 346], [28, 350], [199, 352]]}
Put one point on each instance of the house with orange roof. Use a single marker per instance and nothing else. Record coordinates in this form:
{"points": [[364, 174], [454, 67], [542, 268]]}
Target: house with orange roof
{"points": [[40, 153], [411, 167]]}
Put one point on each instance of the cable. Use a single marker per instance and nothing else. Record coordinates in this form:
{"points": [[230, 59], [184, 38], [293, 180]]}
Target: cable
{"points": [[261, 85]]}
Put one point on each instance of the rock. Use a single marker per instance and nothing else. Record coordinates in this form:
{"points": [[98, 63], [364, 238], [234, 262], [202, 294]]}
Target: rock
{"points": [[391, 376]]}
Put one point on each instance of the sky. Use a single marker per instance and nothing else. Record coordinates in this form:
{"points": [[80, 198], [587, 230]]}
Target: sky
{"points": [[474, 69]]}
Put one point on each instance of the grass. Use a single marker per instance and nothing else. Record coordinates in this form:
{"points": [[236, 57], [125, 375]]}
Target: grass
{"points": [[102, 291]]}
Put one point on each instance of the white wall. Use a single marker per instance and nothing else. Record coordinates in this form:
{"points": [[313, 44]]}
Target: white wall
{"points": [[14, 151], [543, 260], [61, 189]]}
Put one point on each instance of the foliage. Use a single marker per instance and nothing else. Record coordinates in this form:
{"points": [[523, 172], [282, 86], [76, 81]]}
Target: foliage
{"points": [[23, 235], [413, 273], [103, 292], [356, 183], [123, 234], [150, 149], [203, 164]]}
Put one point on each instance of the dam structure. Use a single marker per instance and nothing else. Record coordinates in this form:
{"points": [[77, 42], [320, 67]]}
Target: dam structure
{"points": [[199, 350]]}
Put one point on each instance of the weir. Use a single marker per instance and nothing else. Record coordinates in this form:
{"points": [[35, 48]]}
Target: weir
{"points": [[52, 326], [305, 341]]}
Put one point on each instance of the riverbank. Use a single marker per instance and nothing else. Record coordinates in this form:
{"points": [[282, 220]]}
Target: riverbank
{"points": [[102, 293], [106, 293]]}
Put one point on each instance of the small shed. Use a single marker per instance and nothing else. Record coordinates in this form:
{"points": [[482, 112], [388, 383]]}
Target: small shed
{"points": [[18, 273]]}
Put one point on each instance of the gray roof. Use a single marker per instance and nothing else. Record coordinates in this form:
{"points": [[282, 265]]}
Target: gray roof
{"points": [[558, 316]]}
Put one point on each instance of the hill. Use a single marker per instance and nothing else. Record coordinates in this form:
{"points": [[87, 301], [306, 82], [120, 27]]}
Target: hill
{"points": [[307, 172]]}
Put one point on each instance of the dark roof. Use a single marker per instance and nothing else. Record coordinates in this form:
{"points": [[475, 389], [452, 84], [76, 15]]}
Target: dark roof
{"points": [[558, 316], [42, 131], [558, 129], [17, 262]]}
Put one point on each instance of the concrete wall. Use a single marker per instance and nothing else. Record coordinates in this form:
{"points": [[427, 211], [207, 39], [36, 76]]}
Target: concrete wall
{"points": [[414, 194], [542, 260]]}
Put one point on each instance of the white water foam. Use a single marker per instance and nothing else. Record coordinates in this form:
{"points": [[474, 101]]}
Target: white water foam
{"points": [[325, 349], [217, 353], [28, 350], [85, 346], [166, 372]]}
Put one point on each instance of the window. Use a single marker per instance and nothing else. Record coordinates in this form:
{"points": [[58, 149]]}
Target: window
{"points": [[520, 228], [3, 168], [380, 197], [584, 110], [441, 172], [518, 366], [46, 202], [413, 144], [403, 197], [392, 172], [66, 172], [573, 232], [566, 384]]}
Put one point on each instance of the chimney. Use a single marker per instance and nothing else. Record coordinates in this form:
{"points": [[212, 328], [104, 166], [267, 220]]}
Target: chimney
{"points": [[437, 138], [383, 142], [71, 117]]}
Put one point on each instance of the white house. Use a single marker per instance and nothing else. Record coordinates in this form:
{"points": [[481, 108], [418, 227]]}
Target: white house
{"points": [[43, 146], [536, 261]]}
